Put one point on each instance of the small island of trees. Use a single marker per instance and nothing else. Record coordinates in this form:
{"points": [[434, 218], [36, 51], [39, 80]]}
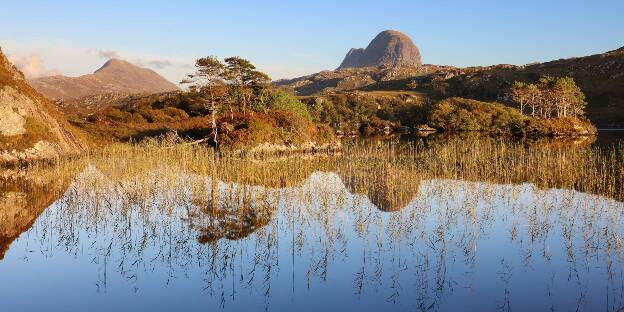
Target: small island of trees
{"points": [[549, 97], [550, 107], [249, 110]]}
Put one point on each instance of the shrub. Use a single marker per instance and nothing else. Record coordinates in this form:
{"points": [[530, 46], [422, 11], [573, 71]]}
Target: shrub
{"points": [[567, 126], [407, 114], [277, 127], [283, 101], [458, 114], [175, 113], [155, 115], [375, 126], [118, 115]]}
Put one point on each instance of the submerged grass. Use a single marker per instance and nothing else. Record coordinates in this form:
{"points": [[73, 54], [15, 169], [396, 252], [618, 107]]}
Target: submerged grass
{"points": [[394, 163], [186, 205]]}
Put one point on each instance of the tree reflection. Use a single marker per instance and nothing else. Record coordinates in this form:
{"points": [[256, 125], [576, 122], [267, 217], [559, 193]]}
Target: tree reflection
{"points": [[413, 238]]}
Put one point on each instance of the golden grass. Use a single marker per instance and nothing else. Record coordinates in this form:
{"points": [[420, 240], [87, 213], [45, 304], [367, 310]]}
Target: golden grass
{"points": [[583, 168], [185, 205]]}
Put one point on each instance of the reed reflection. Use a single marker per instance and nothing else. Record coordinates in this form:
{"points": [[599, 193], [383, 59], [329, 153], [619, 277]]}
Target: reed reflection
{"points": [[418, 227]]}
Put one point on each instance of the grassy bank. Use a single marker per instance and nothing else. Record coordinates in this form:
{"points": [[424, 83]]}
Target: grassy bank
{"points": [[584, 168]]}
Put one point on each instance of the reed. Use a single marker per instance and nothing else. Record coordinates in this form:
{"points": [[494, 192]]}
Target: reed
{"points": [[409, 206]]}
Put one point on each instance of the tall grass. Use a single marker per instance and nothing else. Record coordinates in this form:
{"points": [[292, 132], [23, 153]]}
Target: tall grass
{"points": [[155, 206], [589, 169]]}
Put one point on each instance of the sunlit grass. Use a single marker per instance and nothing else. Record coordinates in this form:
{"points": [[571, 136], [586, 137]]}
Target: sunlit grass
{"points": [[155, 205]]}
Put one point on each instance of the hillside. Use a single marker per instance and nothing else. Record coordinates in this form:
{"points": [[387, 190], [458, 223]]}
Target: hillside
{"points": [[601, 78], [350, 79], [283, 124], [114, 77], [32, 128]]}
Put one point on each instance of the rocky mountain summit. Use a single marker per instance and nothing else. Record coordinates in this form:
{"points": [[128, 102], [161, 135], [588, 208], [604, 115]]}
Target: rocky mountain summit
{"points": [[114, 77], [391, 55], [31, 127], [390, 48]]}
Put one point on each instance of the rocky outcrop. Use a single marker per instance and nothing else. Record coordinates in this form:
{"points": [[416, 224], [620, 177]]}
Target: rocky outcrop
{"points": [[31, 127], [114, 77], [352, 59], [349, 79], [390, 48]]}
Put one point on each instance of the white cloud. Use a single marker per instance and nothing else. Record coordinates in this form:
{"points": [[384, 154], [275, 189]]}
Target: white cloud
{"points": [[160, 63], [72, 60], [108, 54], [31, 65]]}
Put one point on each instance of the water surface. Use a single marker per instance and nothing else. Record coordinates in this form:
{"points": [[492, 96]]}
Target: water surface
{"points": [[333, 239]]}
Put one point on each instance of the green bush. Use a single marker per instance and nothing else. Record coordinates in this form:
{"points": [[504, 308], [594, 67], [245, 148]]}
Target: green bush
{"points": [[407, 114], [343, 112], [276, 127], [283, 101], [458, 114]]}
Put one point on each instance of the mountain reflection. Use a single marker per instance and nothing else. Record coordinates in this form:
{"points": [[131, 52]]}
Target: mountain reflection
{"points": [[386, 227], [444, 239], [388, 188]]}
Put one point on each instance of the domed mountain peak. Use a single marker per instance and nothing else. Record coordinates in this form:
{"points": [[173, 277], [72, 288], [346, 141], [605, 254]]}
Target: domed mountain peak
{"points": [[390, 48]]}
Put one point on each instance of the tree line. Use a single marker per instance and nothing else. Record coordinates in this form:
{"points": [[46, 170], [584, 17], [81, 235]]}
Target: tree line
{"points": [[550, 97]]}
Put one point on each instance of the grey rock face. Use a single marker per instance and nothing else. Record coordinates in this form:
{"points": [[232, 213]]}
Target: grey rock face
{"points": [[390, 48], [31, 128]]}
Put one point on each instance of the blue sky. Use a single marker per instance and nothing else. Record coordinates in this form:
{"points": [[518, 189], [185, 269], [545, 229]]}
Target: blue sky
{"points": [[288, 38]]}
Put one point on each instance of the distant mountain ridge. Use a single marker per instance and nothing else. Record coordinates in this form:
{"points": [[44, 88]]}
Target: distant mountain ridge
{"points": [[600, 77], [390, 48], [115, 76]]}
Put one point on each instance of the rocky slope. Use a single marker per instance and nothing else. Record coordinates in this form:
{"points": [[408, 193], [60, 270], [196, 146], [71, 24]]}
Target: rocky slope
{"points": [[31, 127], [389, 48], [350, 79], [114, 77], [600, 76]]}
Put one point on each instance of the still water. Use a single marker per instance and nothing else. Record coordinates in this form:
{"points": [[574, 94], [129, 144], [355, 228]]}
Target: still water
{"points": [[333, 240]]}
